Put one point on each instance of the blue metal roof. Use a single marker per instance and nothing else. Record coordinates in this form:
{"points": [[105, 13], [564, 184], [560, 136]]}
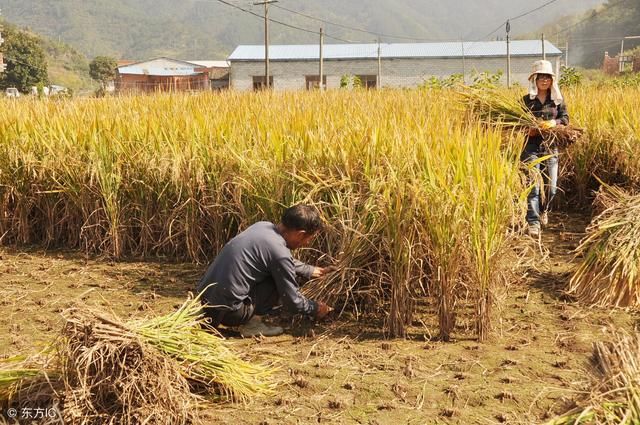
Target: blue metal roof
{"points": [[394, 50]]}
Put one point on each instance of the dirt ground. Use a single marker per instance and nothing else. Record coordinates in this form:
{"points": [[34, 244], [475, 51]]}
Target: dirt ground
{"points": [[346, 372]]}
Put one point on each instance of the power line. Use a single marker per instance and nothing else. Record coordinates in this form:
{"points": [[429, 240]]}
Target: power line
{"points": [[517, 17], [280, 22], [593, 15], [532, 10], [402, 37], [491, 33]]}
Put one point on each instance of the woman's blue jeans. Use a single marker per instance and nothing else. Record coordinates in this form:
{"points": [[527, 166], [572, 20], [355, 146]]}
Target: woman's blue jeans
{"points": [[549, 171]]}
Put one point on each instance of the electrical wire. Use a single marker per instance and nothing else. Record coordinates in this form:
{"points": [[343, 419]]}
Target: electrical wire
{"points": [[593, 15], [280, 22], [380, 35]]}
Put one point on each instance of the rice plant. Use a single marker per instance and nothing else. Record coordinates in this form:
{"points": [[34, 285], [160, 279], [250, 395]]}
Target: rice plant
{"points": [[610, 147], [177, 175]]}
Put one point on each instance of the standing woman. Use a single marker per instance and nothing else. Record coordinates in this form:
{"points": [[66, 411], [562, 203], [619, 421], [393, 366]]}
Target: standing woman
{"points": [[545, 102]]}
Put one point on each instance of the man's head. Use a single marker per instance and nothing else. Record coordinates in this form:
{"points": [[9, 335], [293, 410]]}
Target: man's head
{"points": [[299, 224]]}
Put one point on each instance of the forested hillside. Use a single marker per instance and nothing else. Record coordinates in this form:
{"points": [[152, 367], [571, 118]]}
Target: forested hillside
{"points": [[65, 65], [592, 33], [189, 29]]}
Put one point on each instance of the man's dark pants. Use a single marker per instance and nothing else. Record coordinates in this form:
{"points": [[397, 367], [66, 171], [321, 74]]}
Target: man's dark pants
{"points": [[263, 297]]}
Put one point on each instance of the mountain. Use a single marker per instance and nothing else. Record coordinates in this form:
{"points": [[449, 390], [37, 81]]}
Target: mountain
{"points": [[599, 30], [209, 29]]}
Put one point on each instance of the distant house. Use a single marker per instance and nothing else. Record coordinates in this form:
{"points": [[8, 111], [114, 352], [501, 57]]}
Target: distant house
{"points": [[166, 74], [295, 67], [218, 73]]}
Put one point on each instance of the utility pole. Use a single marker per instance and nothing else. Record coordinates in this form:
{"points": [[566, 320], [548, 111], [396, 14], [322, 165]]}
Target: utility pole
{"points": [[266, 4], [566, 53], [2, 66], [620, 61], [321, 73], [463, 67], [379, 82], [544, 55], [508, 29]]}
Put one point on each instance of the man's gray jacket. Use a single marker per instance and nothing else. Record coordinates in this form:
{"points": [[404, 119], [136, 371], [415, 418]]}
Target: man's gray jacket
{"points": [[253, 256]]}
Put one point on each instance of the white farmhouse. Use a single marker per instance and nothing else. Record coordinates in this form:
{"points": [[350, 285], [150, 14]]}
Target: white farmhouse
{"points": [[295, 67]]}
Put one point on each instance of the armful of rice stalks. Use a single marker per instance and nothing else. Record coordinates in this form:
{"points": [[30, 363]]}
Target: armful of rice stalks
{"points": [[497, 108], [561, 136]]}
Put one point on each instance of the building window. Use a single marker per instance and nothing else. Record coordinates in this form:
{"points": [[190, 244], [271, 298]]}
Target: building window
{"points": [[258, 82], [368, 81], [313, 80]]}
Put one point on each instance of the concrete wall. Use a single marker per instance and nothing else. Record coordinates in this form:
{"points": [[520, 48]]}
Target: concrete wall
{"points": [[290, 75]]}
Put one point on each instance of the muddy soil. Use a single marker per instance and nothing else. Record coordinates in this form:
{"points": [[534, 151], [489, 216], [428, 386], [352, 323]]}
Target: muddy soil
{"points": [[343, 371]]}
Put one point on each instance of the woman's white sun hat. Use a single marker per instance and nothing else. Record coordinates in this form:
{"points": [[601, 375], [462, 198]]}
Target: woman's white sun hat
{"points": [[544, 67], [541, 67]]}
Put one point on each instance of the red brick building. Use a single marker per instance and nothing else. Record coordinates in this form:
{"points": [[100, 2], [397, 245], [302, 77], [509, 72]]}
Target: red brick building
{"points": [[166, 74], [611, 66]]}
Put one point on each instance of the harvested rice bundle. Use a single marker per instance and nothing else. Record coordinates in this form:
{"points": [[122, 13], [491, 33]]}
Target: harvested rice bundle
{"points": [[615, 394], [142, 371], [608, 274], [203, 355], [112, 376], [493, 107]]}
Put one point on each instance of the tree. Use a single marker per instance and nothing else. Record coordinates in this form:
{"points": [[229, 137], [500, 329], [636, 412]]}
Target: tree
{"points": [[25, 60], [103, 69]]}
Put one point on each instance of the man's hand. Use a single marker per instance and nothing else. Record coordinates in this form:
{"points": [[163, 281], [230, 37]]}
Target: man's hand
{"points": [[321, 271], [323, 310]]}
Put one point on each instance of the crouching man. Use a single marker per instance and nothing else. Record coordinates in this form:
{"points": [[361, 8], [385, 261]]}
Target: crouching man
{"points": [[255, 271]]}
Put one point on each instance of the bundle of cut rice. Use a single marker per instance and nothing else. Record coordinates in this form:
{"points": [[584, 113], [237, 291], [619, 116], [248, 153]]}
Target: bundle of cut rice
{"points": [[609, 269], [142, 371]]}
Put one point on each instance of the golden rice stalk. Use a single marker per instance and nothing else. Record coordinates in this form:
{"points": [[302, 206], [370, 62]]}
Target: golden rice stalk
{"points": [[610, 254], [615, 394]]}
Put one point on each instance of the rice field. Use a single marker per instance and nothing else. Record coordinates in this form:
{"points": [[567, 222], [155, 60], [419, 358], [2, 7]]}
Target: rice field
{"points": [[177, 175], [424, 203]]}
